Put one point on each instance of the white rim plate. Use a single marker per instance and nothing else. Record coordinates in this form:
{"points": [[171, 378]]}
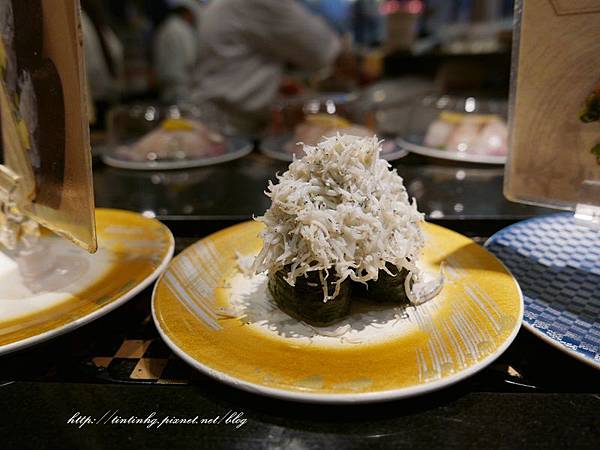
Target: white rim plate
{"points": [[237, 148], [451, 156], [273, 146]]}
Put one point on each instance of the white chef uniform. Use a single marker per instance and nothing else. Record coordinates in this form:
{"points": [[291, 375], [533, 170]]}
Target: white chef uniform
{"points": [[245, 45], [175, 58]]}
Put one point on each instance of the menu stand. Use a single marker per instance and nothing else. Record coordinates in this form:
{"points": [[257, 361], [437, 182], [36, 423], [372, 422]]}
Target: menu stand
{"points": [[587, 212]]}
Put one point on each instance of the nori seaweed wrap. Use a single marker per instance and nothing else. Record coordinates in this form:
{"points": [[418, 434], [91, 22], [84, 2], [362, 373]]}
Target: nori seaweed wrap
{"points": [[387, 289], [304, 301]]}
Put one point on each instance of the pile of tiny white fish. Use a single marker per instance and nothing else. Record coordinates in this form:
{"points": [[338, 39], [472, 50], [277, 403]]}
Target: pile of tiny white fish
{"points": [[342, 211]]}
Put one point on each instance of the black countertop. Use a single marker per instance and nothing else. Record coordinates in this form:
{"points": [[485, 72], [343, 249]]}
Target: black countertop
{"points": [[234, 190], [457, 420]]}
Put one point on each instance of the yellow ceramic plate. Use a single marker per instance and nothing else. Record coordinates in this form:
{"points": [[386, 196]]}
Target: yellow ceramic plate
{"points": [[224, 324], [57, 287]]}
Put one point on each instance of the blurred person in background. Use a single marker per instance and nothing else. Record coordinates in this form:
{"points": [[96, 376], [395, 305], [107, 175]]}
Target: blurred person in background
{"points": [[157, 10], [367, 23], [335, 12], [134, 28], [176, 51], [103, 59], [198, 6], [245, 46]]}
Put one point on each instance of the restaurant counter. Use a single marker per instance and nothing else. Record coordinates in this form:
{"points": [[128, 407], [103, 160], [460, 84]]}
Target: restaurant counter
{"points": [[207, 198], [533, 396]]}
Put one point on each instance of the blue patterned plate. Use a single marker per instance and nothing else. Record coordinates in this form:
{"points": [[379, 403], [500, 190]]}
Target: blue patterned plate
{"points": [[557, 264]]}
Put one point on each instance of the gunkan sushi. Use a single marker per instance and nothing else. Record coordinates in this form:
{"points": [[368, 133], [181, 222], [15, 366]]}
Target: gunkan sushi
{"points": [[340, 221]]}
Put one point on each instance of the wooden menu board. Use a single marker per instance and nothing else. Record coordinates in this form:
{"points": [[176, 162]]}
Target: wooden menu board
{"points": [[45, 133], [554, 153]]}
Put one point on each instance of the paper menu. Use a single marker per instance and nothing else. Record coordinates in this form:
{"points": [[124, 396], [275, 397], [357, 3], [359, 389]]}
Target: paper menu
{"points": [[556, 69], [44, 125]]}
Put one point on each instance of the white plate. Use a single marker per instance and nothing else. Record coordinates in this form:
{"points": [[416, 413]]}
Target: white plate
{"points": [[452, 156], [236, 148], [274, 146]]}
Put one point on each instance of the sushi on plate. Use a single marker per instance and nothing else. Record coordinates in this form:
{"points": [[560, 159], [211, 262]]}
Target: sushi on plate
{"points": [[341, 226]]}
